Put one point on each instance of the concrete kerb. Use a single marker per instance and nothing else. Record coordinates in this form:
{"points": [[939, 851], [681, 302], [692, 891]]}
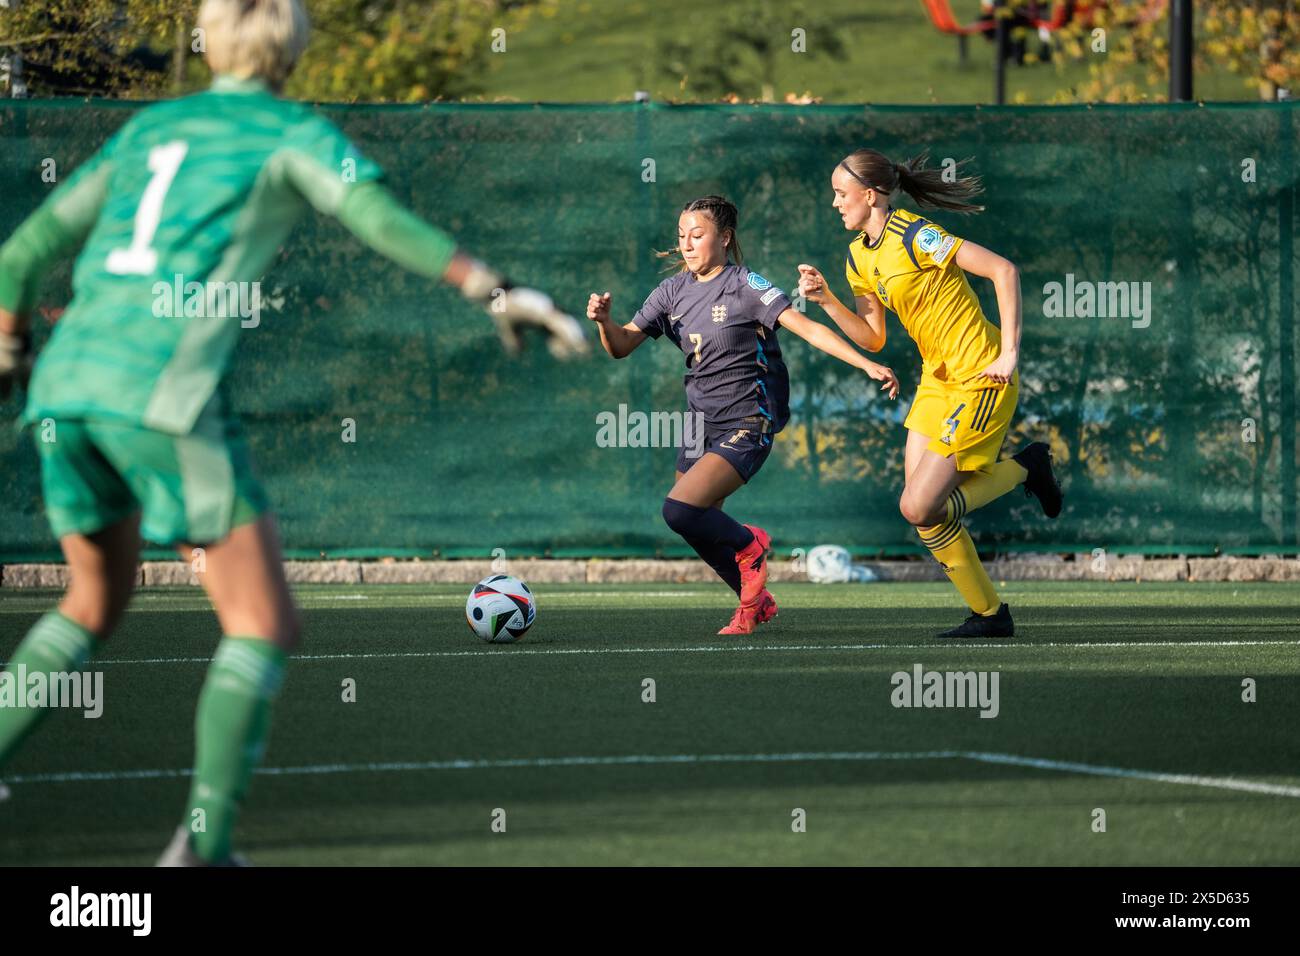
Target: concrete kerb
{"points": [[603, 571]]}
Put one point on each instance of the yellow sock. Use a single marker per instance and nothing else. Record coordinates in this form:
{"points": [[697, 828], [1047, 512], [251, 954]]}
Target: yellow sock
{"points": [[952, 547], [987, 484]]}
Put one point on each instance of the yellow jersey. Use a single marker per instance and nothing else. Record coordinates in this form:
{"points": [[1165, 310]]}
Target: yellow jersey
{"points": [[912, 268]]}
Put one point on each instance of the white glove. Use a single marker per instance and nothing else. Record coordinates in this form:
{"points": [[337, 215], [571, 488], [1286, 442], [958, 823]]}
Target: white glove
{"points": [[513, 309]]}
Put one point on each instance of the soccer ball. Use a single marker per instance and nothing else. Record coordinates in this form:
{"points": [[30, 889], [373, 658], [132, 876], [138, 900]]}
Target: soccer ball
{"points": [[500, 609], [832, 564]]}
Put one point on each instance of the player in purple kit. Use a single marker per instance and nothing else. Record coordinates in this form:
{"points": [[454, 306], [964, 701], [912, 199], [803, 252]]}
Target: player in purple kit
{"points": [[725, 319]]}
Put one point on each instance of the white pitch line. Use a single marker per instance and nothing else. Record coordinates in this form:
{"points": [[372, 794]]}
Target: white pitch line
{"points": [[503, 764], [1194, 780], [507, 652], [197, 601], [842, 756]]}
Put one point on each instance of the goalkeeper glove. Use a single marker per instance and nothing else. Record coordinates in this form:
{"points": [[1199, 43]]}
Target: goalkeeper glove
{"points": [[514, 308], [15, 362]]}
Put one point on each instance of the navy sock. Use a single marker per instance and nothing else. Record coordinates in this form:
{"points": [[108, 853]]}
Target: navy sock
{"points": [[721, 559], [710, 525]]}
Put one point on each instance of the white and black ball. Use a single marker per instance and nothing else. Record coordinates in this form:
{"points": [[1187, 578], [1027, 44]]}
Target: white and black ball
{"points": [[500, 609]]}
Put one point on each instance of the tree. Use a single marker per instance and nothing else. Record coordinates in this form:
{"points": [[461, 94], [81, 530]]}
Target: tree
{"points": [[406, 50], [1258, 40], [95, 47], [373, 50]]}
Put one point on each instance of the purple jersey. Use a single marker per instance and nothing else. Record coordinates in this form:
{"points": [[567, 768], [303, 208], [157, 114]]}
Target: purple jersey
{"points": [[727, 329]]}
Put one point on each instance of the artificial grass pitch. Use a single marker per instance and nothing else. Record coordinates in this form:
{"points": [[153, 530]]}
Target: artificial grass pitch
{"points": [[1124, 698]]}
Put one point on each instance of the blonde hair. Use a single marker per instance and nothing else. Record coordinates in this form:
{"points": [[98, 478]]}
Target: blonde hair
{"points": [[254, 38]]}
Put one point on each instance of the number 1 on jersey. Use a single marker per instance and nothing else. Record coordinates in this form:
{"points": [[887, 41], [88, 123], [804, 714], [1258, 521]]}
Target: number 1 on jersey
{"points": [[140, 258]]}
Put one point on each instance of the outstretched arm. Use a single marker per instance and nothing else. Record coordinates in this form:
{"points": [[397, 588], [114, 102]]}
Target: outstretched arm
{"points": [[979, 261], [314, 155], [820, 337], [373, 215]]}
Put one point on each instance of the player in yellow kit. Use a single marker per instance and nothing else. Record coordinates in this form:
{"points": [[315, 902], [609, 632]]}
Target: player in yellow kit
{"points": [[969, 380]]}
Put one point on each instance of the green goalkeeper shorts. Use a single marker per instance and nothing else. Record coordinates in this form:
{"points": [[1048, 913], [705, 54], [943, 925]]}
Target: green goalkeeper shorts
{"points": [[189, 489]]}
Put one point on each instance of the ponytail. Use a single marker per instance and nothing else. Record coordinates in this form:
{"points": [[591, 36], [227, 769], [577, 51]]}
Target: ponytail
{"points": [[926, 184]]}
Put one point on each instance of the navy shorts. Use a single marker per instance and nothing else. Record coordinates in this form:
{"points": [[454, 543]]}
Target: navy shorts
{"points": [[744, 444]]}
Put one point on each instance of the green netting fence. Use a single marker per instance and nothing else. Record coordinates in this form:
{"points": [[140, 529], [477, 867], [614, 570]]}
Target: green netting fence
{"points": [[1172, 414]]}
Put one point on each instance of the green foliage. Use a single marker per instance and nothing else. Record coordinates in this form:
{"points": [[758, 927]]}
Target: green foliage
{"points": [[740, 58], [97, 47], [406, 50], [880, 51], [398, 50], [1257, 42]]}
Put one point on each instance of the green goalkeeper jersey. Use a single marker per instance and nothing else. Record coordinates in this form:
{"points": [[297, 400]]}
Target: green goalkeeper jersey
{"points": [[180, 213]]}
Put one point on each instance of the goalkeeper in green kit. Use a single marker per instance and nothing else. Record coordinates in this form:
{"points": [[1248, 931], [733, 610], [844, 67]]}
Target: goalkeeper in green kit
{"points": [[203, 190]]}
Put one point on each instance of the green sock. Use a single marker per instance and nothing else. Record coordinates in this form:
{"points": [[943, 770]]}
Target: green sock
{"points": [[55, 644], [230, 731]]}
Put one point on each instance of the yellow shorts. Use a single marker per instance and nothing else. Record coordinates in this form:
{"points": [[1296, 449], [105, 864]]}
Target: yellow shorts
{"points": [[968, 421]]}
